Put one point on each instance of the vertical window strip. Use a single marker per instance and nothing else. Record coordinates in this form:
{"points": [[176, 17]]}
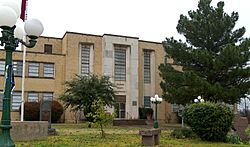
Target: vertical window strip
{"points": [[121, 106], [2, 66], [33, 69], [33, 97], [147, 102], [48, 96], [18, 68], [85, 59], [48, 70], [16, 100], [146, 67], [175, 107], [120, 64]]}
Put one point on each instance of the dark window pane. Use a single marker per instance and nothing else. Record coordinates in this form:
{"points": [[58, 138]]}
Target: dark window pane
{"points": [[47, 48]]}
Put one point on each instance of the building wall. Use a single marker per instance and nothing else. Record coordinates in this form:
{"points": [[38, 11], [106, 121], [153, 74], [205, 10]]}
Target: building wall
{"points": [[66, 58], [39, 84], [55, 42], [154, 87], [71, 48]]}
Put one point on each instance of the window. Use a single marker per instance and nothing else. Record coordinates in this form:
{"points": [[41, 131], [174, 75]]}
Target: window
{"points": [[175, 107], [47, 48], [146, 66], [147, 102], [120, 106], [32, 97], [16, 100], [33, 69], [2, 66], [48, 70], [18, 68], [120, 63], [85, 59], [48, 96]]}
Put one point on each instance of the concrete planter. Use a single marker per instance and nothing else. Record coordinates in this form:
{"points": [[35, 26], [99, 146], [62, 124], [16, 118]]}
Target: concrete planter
{"points": [[29, 130]]}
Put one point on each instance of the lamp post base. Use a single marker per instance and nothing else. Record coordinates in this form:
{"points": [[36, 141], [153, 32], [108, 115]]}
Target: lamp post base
{"points": [[5, 139], [156, 124]]}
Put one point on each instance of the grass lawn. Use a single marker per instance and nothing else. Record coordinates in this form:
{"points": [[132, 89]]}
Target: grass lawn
{"points": [[79, 135]]}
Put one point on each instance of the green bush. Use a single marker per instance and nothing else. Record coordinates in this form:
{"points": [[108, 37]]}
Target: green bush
{"points": [[32, 111], [183, 133], [143, 112], [234, 139], [210, 121]]}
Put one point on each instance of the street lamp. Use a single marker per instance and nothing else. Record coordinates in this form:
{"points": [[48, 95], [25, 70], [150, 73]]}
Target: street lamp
{"points": [[199, 100], [156, 100], [12, 35]]}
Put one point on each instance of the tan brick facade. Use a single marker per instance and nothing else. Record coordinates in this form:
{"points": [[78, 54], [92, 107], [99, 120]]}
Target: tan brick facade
{"points": [[66, 59]]}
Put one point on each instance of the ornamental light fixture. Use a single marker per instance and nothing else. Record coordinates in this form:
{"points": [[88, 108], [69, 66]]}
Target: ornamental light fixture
{"points": [[156, 100], [11, 35]]}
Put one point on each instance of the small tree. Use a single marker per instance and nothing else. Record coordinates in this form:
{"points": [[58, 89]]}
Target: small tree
{"points": [[99, 115], [82, 91]]}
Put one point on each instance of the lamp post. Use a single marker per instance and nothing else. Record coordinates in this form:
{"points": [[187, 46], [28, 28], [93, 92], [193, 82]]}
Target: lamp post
{"points": [[12, 35], [156, 100]]}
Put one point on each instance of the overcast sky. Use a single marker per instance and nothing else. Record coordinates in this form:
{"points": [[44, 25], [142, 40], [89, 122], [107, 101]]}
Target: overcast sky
{"points": [[150, 20]]}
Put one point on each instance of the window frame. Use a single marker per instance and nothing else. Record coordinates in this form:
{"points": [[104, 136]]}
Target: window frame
{"points": [[85, 59], [48, 48], [16, 102], [175, 107], [46, 97], [2, 67], [147, 66], [32, 100], [148, 101], [18, 68], [33, 73], [120, 64], [49, 72]]}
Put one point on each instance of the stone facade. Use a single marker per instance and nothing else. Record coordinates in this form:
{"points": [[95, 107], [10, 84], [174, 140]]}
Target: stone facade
{"points": [[66, 57]]}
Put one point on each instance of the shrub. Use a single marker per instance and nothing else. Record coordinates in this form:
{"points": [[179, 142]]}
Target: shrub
{"points": [[57, 111], [143, 112], [234, 139], [183, 133], [32, 111], [210, 121]]}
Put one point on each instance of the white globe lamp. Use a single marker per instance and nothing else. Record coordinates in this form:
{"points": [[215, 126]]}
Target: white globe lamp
{"points": [[8, 16], [33, 27]]}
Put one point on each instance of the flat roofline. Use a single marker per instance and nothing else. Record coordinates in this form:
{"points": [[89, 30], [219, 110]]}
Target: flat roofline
{"points": [[77, 33], [49, 37], [120, 36], [150, 41]]}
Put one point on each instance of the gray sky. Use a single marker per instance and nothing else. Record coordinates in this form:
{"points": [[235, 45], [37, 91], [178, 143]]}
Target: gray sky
{"points": [[150, 20]]}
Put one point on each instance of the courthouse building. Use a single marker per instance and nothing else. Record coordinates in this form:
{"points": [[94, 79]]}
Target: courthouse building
{"points": [[132, 65]]}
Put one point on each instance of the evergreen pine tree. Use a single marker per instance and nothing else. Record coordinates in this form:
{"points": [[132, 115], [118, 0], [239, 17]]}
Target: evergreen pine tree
{"points": [[213, 58]]}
